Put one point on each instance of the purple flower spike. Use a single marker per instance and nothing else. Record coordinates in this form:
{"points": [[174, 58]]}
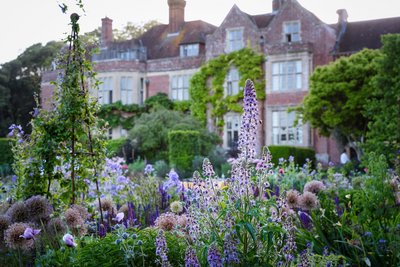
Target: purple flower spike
{"points": [[69, 240], [250, 122], [30, 233]]}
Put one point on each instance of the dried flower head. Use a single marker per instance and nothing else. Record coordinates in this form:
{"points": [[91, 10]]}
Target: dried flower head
{"points": [[13, 239], [166, 221], [176, 207], [125, 209], [83, 212], [56, 226], [308, 201], [314, 186], [107, 205], [73, 218], [5, 222], [292, 198], [182, 220], [18, 212], [39, 208]]}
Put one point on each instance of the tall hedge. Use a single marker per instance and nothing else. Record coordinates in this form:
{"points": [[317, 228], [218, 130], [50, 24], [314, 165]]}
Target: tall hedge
{"points": [[183, 146], [300, 154]]}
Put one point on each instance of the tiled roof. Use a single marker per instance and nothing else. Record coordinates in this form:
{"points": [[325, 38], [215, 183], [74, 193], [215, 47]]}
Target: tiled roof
{"points": [[162, 44], [367, 34]]}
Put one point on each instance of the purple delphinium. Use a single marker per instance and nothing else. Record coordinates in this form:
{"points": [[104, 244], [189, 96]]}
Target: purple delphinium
{"points": [[191, 259], [214, 257], [250, 122], [162, 249], [339, 210], [30, 233]]}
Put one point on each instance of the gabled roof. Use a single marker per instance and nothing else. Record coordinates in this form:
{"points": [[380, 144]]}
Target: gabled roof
{"points": [[162, 44], [367, 34]]}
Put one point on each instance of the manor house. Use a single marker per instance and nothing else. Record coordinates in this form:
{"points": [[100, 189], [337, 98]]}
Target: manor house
{"points": [[293, 40]]}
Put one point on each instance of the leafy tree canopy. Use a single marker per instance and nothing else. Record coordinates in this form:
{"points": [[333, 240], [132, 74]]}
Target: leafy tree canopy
{"points": [[338, 93], [383, 136], [20, 80]]}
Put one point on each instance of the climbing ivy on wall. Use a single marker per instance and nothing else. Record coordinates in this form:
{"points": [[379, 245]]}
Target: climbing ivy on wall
{"points": [[207, 85]]}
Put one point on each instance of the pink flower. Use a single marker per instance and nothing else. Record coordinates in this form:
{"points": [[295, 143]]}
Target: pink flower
{"points": [[30, 233], [119, 217], [281, 171], [69, 240]]}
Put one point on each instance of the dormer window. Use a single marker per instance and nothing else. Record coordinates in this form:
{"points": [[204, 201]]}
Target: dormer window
{"points": [[189, 50], [291, 31], [234, 40]]}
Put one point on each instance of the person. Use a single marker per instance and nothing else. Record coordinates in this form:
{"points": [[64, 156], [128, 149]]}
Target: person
{"points": [[344, 158]]}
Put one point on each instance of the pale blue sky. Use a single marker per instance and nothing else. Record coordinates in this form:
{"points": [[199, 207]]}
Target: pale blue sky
{"points": [[26, 22]]}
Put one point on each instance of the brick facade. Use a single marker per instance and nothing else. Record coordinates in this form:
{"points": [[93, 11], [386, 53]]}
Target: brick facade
{"points": [[155, 59]]}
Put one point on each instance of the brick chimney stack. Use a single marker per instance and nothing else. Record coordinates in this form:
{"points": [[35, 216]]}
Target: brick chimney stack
{"points": [[276, 5], [176, 15], [106, 31], [342, 16]]}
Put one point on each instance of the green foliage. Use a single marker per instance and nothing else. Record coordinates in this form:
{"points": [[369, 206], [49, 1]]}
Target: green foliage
{"points": [[19, 81], [160, 99], [300, 154], [6, 156], [117, 114], [183, 147], [338, 93], [383, 107], [113, 250], [114, 146], [206, 86], [150, 133]]}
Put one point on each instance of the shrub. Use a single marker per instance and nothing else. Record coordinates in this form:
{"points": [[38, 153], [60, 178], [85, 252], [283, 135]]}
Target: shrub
{"points": [[183, 147], [300, 154], [6, 155], [114, 146], [162, 168]]}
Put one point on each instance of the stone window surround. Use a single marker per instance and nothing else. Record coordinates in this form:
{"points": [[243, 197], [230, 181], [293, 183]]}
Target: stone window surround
{"points": [[228, 49], [306, 61]]}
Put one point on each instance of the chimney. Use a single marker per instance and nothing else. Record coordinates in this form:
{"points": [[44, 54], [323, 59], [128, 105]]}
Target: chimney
{"points": [[176, 15], [276, 5], [342, 16], [106, 31]]}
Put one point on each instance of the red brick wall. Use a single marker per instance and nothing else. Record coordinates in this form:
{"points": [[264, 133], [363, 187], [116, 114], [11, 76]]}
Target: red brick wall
{"points": [[158, 84]]}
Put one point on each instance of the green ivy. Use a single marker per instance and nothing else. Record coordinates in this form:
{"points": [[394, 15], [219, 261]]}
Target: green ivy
{"points": [[117, 114], [206, 86]]}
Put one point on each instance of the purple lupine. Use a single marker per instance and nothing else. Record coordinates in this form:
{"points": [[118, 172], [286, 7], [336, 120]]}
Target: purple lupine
{"points": [[214, 257], [162, 249], [339, 210], [191, 259], [250, 122], [305, 220]]}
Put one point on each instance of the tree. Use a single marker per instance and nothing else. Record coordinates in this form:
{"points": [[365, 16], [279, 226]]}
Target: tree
{"points": [[20, 81], [150, 133], [338, 93], [383, 136]]}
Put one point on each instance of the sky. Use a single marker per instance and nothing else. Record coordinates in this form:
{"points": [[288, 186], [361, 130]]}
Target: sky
{"points": [[27, 22]]}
